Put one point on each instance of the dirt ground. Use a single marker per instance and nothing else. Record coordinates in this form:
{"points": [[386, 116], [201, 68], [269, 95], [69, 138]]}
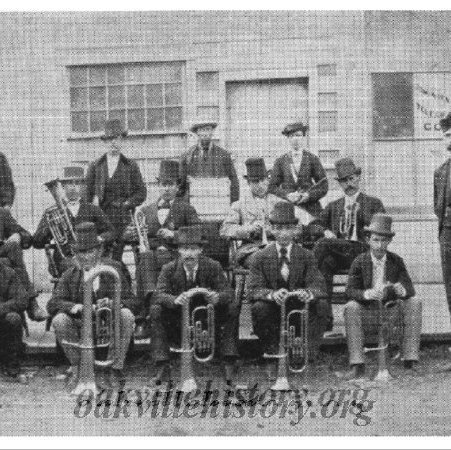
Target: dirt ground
{"points": [[320, 403]]}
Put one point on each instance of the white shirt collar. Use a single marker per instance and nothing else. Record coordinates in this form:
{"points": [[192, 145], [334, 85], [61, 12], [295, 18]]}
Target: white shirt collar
{"points": [[351, 199], [288, 247], [187, 272], [378, 262], [161, 202], [297, 156]]}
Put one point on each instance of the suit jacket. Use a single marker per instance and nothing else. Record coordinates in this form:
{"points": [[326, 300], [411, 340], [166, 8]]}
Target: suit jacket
{"points": [[7, 188], [361, 275], [133, 189], [69, 290], [13, 296], [86, 213], [441, 176], [217, 163], [9, 226], [172, 281], [330, 217], [304, 273], [310, 172]]}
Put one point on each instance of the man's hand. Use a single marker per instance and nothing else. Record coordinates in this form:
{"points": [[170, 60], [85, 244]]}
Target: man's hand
{"points": [[400, 290], [213, 297], [95, 200], [76, 309], [374, 294], [257, 226], [182, 299], [305, 197], [104, 303], [293, 197], [7, 207], [280, 295], [303, 294], [165, 233], [14, 239], [329, 234]]}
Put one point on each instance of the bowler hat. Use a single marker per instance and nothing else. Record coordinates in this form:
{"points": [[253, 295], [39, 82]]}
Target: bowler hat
{"points": [[190, 235], [113, 129], [380, 224], [345, 167], [445, 123], [256, 169], [293, 127], [169, 171], [283, 213], [73, 173], [86, 237], [196, 126]]}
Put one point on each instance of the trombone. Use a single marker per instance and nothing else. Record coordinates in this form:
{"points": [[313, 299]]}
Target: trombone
{"points": [[293, 339]]}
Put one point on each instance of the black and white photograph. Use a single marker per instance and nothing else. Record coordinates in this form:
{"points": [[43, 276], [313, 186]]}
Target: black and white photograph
{"points": [[224, 222]]}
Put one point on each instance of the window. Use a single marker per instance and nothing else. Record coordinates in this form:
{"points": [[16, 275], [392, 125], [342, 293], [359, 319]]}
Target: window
{"points": [[147, 97]]}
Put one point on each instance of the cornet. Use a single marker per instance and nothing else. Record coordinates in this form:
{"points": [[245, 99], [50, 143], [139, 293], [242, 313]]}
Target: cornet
{"points": [[348, 223]]}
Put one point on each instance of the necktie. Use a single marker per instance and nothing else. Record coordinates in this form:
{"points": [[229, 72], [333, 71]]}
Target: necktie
{"points": [[284, 264]]}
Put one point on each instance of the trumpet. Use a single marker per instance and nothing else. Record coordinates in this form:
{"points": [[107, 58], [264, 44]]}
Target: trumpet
{"points": [[107, 325], [293, 339], [348, 223], [139, 221], [198, 339]]}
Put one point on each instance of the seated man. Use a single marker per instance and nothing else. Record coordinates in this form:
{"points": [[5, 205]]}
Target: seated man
{"points": [[177, 285], [13, 302], [342, 223], [66, 304], [248, 217], [79, 211], [282, 267], [379, 275], [14, 238]]}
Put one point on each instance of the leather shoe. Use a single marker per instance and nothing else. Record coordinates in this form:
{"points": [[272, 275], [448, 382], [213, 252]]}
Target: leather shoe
{"points": [[104, 379], [357, 372], [118, 378], [161, 373], [35, 312]]}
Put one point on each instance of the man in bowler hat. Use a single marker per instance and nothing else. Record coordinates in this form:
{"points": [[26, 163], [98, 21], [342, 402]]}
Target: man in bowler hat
{"points": [[114, 183], [298, 176], [379, 275]]}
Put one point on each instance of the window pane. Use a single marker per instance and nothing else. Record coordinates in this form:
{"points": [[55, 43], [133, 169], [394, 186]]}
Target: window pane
{"points": [[79, 122], [97, 75], [154, 94], [79, 98], [78, 76], [97, 98], [117, 114], [327, 121], [116, 97], [173, 118], [327, 70], [97, 122], [135, 96], [155, 119], [135, 73], [173, 94], [327, 101], [392, 105], [116, 75], [136, 119], [172, 72]]}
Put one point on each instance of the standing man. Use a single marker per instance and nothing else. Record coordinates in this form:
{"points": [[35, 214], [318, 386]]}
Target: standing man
{"points": [[7, 188], [298, 176], [342, 223], [206, 159], [114, 183], [79, 211], [442, 207], [380, 276]]}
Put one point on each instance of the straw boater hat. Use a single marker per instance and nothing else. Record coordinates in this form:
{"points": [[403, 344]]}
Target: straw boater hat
{"points": [[445, 123], [293, 127], [73, 173], [256, 169], [114, 129], [283, 213], [169, 172], [197, 125], [345, 167], [190, 235], [86, 236], [380, 224]]}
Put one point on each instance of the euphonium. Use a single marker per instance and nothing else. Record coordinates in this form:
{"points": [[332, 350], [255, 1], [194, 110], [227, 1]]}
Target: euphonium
{"points": [[293, 340], [59, 221], [107, 324]]}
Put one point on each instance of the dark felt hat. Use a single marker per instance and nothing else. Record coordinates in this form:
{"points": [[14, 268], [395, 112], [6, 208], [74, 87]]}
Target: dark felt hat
{"points": [[283, 213], [380, 224], [256, 169], [197, 125], [445, 123], [114, 129], [293, 127], [190, 235], [73, 173], [169, 171], [345, 167], [86, 235]]}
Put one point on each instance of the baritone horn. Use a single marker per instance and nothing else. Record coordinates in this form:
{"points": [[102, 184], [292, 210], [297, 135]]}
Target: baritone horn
{"points": [[293, 339], [198, 338], [107, 326]]}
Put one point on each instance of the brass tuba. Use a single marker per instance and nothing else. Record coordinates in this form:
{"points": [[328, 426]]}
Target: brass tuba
{"points": [[198, 339], [107, 330], [348, 223], [293, 340], [59, 221]]}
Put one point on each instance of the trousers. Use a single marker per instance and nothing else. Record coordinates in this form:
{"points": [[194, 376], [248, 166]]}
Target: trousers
{"points": [[10, 337], [445, 253]]}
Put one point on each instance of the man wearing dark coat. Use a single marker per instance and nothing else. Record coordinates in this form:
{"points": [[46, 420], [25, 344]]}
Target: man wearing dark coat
{"points": [[114, 183], [79, 211], [298, 176], [283, 267], [380, 276], [442, 207], [179, 282], [7, 188], [206, 159]]}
